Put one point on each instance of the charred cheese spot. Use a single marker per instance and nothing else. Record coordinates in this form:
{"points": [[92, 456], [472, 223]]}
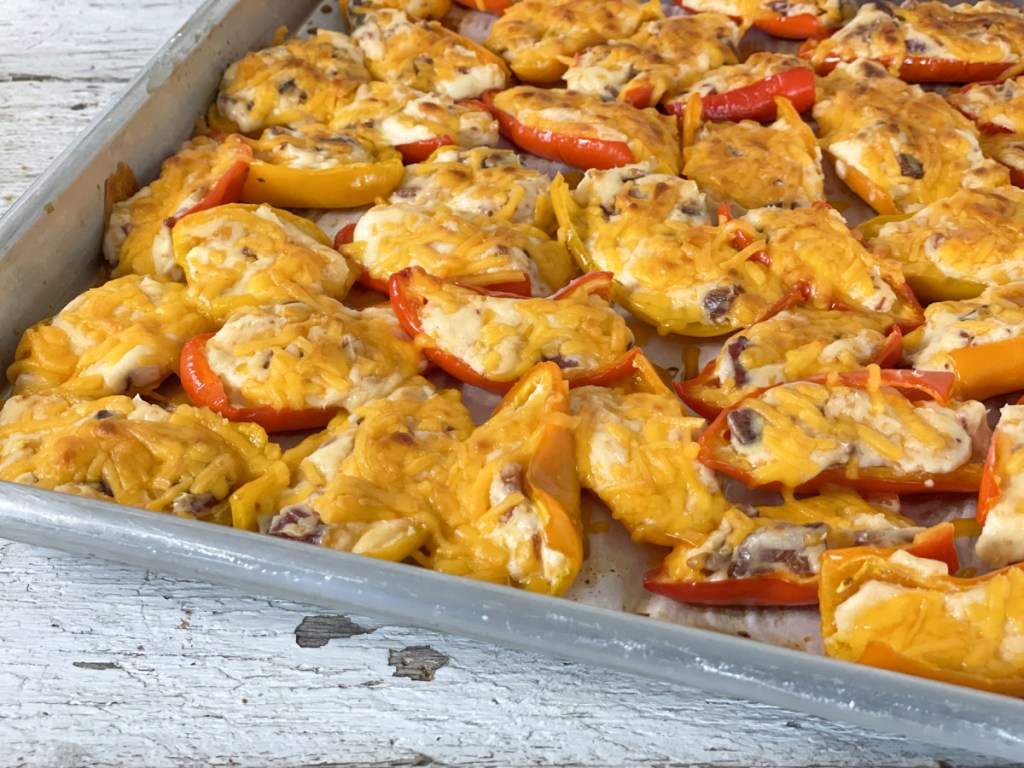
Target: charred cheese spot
{"points": [[755, 165], [637, 451], [471, 248], [300, 81], [292, 356], [803, 429], [663, 56], [535, 36], [138, 237], [975, 235], [647, 133], [122, 337], [868, 120], [481, 181], [237, 256], [186, 461], [427, 57]]}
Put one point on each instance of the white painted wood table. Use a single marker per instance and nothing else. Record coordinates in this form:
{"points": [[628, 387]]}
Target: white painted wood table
{"points": [[106, 665]]}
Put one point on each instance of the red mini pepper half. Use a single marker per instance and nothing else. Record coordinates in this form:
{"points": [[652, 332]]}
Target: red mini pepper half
{"points": [[497, 7], [716, 450], [694, 391], [787, 588], [984, 127], [799, 26], [408, 298], [204, 388], [572, 150], [918, 69], [346, 234], [757, 100], [227, 189]]}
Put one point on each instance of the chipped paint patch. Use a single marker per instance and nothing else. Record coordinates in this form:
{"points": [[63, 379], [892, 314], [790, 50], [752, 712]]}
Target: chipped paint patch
{"points": [[417, 662], [95, 665], [317, 631]]}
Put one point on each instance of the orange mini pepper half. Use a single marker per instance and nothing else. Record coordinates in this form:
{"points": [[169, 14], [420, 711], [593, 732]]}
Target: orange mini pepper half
{"points": [[887, 610]]}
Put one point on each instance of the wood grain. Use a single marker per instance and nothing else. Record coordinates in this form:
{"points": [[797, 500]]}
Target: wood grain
{"points": [[103, 665]]}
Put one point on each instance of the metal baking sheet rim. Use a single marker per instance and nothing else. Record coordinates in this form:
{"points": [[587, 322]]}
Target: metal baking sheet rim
{"points": [[60, 216]]}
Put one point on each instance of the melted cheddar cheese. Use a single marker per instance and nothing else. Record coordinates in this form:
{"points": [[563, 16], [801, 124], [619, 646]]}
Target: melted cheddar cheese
{"points": [[647, 133], [138, 237], [124, 336], [637, 451], [996, 315], [300, 81], [1002, 534], [664, 56], [312, 147], [502, 338], [536, 37], [815, 247], [395, 115], [671, 266], [793, 432], [517, 519], [996, 104], [237, 256], [982, 32], [909, 144], [415, 9], [1008, 149], [829, 12], [973, 235], [792, 344], [291, 356], [426, 56], [786, 540], [480, 181], [374, 480], [185, 461], [965, 630], [756, 67], [756, 165], [410, 477], [474, 249]]}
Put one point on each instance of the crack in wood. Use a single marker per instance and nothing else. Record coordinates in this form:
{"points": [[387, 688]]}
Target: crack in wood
{"points": [[96, 665], [417, 662], [317, 631], [30, 77]]}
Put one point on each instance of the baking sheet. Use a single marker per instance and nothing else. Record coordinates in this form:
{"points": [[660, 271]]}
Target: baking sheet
{"points": [[61, 217]]}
